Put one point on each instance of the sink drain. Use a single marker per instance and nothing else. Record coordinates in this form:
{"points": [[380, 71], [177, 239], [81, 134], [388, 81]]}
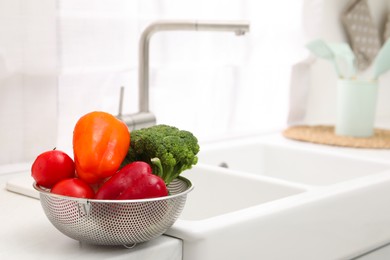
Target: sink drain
{"points": [[223, 165]]}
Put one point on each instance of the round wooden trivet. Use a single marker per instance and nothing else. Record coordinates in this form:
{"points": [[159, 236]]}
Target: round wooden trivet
{"points": [[322, 134]]}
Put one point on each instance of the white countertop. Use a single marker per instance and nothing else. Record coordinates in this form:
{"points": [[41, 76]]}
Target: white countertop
{"points": [[26, 233]]}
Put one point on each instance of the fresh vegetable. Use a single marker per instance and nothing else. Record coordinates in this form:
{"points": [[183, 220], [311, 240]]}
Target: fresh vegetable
{"points": [[51, 167], [73, 187], [100, 143], [134, 181], [171, 149]]}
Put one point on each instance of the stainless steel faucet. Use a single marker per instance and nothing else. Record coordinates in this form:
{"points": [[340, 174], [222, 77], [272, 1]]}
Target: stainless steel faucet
{"points": [[144, 118]]}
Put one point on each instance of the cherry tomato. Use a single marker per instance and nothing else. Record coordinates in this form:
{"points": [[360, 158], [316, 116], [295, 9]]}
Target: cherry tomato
{"points": [[73, 188], [51, 167]]}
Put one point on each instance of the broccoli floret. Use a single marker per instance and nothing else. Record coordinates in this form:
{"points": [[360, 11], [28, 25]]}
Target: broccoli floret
{"points": [[168, 150]]}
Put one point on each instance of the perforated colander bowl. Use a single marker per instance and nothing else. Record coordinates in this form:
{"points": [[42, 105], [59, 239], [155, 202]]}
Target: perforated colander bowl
{"points": [[115, 222]]}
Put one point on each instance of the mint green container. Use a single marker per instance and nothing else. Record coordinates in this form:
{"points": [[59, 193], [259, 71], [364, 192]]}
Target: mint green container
{"points": [[356, 107]]}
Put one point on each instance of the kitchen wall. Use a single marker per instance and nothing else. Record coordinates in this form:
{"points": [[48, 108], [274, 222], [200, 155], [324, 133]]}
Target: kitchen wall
{"points": [[28, 78], [63, 58], [60, 59]]}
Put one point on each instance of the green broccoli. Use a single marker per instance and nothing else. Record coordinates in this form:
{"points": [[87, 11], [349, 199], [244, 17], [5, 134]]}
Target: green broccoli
{"points": [[168, 150]]}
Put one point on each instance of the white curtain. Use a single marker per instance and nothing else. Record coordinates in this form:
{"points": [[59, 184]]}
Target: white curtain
{"points": [[214, 84]]}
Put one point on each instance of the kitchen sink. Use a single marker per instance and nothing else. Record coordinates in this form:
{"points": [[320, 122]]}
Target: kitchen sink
{"points": [[255, 199]]}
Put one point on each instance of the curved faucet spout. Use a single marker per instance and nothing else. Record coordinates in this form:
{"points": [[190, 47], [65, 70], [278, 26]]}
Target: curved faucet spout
{"points": [[238, 27], [144, 118]]}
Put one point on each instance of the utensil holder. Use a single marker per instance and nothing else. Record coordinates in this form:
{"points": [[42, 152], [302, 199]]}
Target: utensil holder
{"points": [[356, 107]]}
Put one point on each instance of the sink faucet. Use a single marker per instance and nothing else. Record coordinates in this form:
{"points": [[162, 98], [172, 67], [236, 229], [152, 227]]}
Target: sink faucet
{"points": [[144, 118]]}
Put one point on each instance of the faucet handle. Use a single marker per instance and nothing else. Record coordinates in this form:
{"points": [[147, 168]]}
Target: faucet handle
{"points": [[121, 95], [137, 120]]}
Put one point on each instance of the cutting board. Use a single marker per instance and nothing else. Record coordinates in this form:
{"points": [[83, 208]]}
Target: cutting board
{"points": [[22, 185]]}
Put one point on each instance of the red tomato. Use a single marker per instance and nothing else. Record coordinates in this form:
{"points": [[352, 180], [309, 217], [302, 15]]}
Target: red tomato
{"points": [[73, 188], [51, 167]]}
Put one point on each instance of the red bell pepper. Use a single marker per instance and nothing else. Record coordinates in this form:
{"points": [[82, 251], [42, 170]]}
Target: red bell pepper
{"points": [[133, 181]]}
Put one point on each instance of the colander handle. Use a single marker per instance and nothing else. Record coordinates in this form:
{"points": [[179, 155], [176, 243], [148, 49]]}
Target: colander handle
{"points": [[130, 246], [85, 208]]}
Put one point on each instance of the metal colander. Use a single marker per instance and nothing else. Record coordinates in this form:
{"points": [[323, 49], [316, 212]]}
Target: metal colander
{"points": [[115, 222]]}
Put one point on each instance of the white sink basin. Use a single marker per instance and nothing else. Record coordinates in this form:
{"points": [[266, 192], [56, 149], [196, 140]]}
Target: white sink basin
{"points": [[296, 164], [221, 192], [282, 202]]}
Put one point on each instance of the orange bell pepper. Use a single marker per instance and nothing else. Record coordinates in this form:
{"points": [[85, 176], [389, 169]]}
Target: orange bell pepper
{"points": [[100, 143]]}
